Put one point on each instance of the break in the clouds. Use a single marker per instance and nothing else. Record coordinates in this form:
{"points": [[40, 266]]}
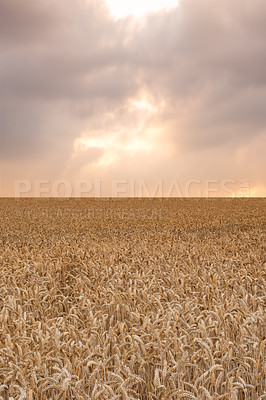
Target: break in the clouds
{"points": [[177, 94]]}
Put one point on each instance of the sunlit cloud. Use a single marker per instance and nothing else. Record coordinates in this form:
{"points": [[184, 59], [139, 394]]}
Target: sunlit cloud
{"points": [[117, 144], [122, 8], [142, 135], [142, 103]]}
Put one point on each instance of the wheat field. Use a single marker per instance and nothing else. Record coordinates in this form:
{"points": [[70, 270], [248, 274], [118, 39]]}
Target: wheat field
{"points": [[132, 299]]}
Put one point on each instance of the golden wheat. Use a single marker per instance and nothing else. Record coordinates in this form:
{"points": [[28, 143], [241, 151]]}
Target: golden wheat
{"points": [[132, 299]]}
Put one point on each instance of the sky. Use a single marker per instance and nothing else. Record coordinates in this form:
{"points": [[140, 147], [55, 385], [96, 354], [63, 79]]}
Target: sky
{"points": [[128, 93]]}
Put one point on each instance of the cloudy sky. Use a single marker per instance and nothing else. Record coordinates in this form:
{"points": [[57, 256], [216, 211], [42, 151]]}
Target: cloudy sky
{"points": [[133, 90]]}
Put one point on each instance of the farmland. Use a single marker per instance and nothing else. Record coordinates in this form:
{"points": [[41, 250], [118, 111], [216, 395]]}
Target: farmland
{"points": [[132, 299]]}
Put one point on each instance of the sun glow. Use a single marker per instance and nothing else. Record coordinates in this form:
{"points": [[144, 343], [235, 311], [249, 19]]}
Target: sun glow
{"points": [[142, 104], [116, 144], [259, 191], [122, 8]]}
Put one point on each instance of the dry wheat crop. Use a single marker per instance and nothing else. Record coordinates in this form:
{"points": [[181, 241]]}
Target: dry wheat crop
{"points": [[132, 299]]}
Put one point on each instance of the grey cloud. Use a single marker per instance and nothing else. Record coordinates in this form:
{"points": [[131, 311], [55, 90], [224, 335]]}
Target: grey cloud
{"points": [[216, 55], [40, 80], [23, 21], [206, 41], [30, 130], [67, 67]]}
